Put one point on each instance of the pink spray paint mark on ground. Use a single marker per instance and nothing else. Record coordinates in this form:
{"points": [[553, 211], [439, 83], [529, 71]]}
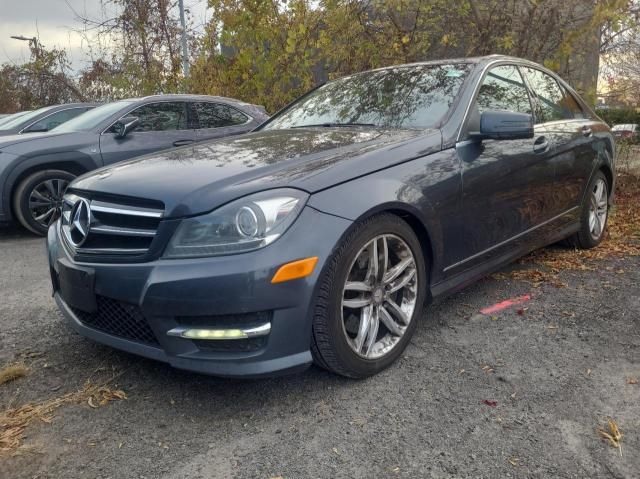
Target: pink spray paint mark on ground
{"points": [[506, 304]]}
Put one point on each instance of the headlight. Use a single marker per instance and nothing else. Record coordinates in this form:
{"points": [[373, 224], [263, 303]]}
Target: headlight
{"points": [[243, 225]]}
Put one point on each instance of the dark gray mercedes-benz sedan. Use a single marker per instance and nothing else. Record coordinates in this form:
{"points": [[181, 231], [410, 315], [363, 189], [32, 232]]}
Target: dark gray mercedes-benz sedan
{"points": [[35, 169], [320, 236]]}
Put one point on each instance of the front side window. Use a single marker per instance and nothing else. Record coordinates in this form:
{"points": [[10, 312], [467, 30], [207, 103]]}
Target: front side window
{"points": [[217, 115], [403, 97], [503, 89], [58, 118], [163, 116], [94, 118], [550, 100]]}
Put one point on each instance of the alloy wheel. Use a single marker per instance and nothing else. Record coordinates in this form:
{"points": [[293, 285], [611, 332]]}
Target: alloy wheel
{"points": [[379, 296], [45, 201], [598, 209]]}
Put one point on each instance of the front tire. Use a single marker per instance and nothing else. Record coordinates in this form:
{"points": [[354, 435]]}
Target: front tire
{"points": [[369, 298], [37, 201], [594, 214]]}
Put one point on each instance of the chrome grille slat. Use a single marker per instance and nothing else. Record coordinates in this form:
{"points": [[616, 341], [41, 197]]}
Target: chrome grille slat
{"points": [[111, 251], [114, 229], [124, 210], [117, 230]]}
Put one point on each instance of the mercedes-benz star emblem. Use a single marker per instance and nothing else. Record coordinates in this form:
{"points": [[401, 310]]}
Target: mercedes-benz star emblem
{"points": [[80, 222]]}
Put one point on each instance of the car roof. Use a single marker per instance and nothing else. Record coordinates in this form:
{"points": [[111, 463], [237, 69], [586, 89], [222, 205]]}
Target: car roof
{"points": [[476, 60], [188, 96]]}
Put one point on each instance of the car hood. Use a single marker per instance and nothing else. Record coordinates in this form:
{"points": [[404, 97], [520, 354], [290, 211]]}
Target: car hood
{"points": [[47, 142], [199, 178]]}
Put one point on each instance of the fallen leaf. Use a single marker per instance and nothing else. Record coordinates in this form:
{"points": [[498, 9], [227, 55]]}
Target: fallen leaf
{"points": [[490, 403], [613, 434]]}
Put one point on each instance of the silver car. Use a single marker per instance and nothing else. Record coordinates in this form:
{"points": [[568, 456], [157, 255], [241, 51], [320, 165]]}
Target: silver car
{"points": [[36, 169]]}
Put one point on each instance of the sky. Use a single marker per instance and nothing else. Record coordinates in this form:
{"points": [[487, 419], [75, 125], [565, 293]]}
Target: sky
{"points": [[54, 22]]}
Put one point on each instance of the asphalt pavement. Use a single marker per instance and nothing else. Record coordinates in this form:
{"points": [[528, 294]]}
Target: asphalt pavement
{"points": [[517, 392]]}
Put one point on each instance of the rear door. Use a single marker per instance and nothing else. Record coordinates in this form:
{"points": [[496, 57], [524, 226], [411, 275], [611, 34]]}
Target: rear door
{"points": [[570, 131], [163, 125], [215, 120], [504, 181]]}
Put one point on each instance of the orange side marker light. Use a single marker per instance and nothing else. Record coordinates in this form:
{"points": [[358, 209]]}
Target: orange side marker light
{"points": [[295, 270]]}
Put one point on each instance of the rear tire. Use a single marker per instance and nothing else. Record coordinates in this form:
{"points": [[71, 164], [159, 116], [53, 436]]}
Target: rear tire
{"points": [[38, 199], [594, 214], [356, 342]]}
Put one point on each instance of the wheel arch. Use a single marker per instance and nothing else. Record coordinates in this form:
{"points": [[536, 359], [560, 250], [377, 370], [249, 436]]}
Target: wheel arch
{"points": [[413, 218], [25, 168]]}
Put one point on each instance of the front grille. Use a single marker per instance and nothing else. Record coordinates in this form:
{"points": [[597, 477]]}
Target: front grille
{"points": [[94, 227], [118, 319]]}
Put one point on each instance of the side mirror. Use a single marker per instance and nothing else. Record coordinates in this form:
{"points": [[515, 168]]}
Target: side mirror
{"points": [[125, 125], [506, 125]]}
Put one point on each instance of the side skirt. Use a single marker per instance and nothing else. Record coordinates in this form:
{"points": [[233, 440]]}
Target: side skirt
{"points": [[455, 283]]}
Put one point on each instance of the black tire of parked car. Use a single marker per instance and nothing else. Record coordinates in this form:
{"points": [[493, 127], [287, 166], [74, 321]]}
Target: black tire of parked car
{"points": [[329, 345], [583, 239], [23, 192]]}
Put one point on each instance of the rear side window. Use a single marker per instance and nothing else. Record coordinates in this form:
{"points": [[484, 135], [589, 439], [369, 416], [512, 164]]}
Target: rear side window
{"points": [[56, 119], [164, 116], [217, 115], [503, 89], [551, 102]]}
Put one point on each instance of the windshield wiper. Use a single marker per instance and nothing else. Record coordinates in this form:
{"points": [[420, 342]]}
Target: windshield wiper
{"points": [[332, 125]]}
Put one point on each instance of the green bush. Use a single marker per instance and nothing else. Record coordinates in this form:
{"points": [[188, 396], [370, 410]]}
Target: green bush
{"points": [[615, 116]]}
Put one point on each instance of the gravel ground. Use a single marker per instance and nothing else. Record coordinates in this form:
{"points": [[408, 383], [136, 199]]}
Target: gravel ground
{"points": [[556, 371]]}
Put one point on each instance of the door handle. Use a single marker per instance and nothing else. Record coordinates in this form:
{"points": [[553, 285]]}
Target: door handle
{"points": [[182, 142], [586, 131], [541, 145]]}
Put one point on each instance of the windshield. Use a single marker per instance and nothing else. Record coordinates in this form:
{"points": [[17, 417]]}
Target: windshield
{"points": [[93, 118], [416, 96], [11, 117], [21, 118]]}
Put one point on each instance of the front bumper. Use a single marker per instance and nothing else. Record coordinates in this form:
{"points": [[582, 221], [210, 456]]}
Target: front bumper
{"points": [[230, 291]]}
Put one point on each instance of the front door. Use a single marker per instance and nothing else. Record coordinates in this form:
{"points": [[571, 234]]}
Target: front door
{"points": [[504, 182], [162, 125]]}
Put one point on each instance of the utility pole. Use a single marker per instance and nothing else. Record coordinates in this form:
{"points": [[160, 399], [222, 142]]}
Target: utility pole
{"points": [[185, 54]]}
